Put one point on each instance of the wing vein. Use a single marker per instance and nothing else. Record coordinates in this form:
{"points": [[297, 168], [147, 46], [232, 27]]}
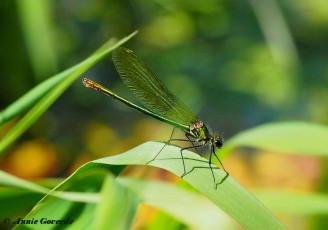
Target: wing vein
{"points": [[148, 89]]}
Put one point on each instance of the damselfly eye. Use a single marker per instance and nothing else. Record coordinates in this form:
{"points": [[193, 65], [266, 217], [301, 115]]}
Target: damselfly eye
{"points": [[218, 143]]}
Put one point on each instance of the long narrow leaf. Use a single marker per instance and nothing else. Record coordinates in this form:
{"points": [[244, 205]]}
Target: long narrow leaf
{"points": [[54, 93], [34, 95], [118, 203], [53, 208], [230, 196], [189, 207], [35, 19], [294, 202], [293, 137], [8, 180]]}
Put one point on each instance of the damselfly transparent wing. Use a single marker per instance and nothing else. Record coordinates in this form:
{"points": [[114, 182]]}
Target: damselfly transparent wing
{"points": [[148, 89]]}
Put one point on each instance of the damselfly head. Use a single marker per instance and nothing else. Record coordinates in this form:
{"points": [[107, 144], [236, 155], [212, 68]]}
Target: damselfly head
{"points": [[217, 139]]}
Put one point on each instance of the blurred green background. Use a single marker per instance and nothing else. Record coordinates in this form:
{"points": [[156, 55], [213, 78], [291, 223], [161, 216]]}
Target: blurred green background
{"points": [[237, 64]]}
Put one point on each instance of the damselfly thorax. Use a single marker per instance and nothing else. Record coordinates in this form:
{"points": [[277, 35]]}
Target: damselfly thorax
{"points": [[201, 133]]}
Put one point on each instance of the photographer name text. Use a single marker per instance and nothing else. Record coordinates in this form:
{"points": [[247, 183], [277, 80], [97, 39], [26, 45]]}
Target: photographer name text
{"points": [[38, 221]]}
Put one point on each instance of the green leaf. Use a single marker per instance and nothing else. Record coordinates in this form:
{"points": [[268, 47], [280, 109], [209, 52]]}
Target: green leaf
{"points": [[230, 196], [294, 202], [35, 19], [66, 78], [180, 203], [31, 97], [15, 182], [163, 221], [116, 204], [16, 202], [294, 137], [34, 95]]}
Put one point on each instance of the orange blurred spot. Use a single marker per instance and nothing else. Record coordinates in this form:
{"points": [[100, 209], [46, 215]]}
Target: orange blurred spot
{"points": [[283, 170], [145, 215], [238, 168], [32, 159]]}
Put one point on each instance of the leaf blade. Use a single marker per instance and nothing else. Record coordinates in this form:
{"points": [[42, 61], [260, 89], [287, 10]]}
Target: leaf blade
{"points": [[286, 137], [230, 196], [69, 77]]}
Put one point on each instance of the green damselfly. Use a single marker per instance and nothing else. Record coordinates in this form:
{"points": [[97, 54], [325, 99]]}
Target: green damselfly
{"points": [[160, 103]]}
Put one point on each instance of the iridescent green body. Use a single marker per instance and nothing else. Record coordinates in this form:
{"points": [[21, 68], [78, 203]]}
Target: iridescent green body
{"points": [[197, 129], [93, 85]]}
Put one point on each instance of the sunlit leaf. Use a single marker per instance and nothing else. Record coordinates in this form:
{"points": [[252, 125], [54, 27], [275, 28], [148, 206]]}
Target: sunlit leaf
{"points": [[294, 202], [180, 203], [14, 182], [116, 203], [230, 196], [294, 137]]}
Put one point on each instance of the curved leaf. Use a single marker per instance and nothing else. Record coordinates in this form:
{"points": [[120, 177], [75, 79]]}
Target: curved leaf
{"points": [[50, 91], [230, 196], [294, 202], [180, 203], [115, 202], [296, 137], [118, 203]]}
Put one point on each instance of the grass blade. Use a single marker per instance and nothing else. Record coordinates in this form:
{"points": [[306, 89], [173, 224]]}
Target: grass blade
{"points": [[294, 202], [118, 203], [180, 203], [114, 203], [36, 18], [70, 75], [294, 137], [8, 180], [34, 95], [230, 196]]}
